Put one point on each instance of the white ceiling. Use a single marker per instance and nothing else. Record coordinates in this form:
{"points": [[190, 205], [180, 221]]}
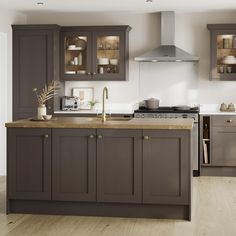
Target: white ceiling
{"points": [[119, 5]]}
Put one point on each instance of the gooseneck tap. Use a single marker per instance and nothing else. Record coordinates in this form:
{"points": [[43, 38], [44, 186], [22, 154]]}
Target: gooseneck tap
{"points": [[104, 96]]}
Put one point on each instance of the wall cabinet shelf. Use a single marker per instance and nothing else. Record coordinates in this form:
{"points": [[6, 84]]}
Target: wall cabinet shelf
{"points": [[94, 53], [223, 52]]}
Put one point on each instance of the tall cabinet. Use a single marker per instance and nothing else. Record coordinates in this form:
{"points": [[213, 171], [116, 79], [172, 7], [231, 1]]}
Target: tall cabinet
{"points": [[35, 62]]}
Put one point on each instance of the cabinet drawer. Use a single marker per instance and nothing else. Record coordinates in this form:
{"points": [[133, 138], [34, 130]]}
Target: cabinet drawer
{"points": [[222, 120]]}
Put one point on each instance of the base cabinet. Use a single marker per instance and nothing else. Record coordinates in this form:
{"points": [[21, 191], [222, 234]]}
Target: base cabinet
{"points": [[221, 145], [29, 164], [119, 166], [224, 146], [137, 173], [74, 165], [166, 161]]}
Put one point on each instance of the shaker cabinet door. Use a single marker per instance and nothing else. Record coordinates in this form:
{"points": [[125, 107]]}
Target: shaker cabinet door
{"points": [[74, 165], [119, 160], [166, 167], [29, 164], [223, 146], [35, 62]]}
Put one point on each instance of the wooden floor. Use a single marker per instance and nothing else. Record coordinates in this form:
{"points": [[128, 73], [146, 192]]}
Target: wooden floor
{"points": [[214, 214]]}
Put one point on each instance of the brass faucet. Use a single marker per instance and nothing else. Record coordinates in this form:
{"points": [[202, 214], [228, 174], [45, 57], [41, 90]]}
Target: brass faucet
{"points": [[104, 93]]}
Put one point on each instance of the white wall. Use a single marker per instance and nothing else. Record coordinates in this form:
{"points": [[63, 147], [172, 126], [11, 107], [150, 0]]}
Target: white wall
{"points": [[188, 83], [6, 19], [3, 110], [142, 37], [173, 83]]}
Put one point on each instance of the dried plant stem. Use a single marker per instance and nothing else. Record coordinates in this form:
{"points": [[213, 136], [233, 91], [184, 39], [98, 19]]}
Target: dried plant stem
{"points": [[47, 93]]}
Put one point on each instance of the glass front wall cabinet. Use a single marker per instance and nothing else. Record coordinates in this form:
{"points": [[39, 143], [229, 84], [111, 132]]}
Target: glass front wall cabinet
{"points": [[95, 53], [223, 52], [76, 55]]}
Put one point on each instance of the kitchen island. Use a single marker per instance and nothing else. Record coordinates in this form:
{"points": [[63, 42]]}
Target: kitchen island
{"points": [[82, 166]]}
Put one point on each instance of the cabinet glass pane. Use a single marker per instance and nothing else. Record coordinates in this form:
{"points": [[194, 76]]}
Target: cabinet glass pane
{"points": [[75, 48], [226, 54], [108, 54]]}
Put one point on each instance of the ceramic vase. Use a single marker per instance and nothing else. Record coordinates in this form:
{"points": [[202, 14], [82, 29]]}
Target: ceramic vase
{"points": [[42, 111]]}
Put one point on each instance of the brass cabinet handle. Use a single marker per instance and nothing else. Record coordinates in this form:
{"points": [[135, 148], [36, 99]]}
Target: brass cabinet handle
{"points": [[146, 137], [91, 136], [46, 136], [99, 136], [229, 121]]}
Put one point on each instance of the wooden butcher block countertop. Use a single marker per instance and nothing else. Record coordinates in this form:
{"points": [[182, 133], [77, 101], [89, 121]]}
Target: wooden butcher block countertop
{"points": [[112, 123]]}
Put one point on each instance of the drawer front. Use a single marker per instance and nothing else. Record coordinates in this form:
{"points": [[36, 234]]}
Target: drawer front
{"points": [[221, 120]]}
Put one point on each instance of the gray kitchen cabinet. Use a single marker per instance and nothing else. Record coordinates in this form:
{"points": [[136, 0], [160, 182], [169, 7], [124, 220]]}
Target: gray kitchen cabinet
{"points": [[222, 52], [223, 143], [95, 53], [29, 164], [119, 165], [223, 146], [74, 165], [106, 172], [35, 62], [166, 167]]}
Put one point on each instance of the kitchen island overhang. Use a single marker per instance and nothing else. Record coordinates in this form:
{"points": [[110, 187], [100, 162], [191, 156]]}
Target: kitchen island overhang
{"points": [[81, 166]]}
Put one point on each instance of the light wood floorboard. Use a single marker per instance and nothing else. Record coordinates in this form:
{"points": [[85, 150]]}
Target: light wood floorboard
{"points": [[214, 214]]}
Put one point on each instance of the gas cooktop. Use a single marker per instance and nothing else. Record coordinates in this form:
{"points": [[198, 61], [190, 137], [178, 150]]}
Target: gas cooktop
{"points": [[166, 109]]}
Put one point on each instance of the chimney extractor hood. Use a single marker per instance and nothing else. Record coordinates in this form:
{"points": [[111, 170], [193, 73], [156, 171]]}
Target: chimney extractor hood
{"points": [[167, 52]]}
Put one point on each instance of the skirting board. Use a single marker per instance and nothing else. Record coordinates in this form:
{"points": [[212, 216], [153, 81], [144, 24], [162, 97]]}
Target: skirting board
{"points": [[100, 209], [218, 171]]}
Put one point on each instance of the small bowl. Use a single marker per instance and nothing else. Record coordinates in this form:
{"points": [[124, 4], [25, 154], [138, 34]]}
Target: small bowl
{"points": [[47, 117]]}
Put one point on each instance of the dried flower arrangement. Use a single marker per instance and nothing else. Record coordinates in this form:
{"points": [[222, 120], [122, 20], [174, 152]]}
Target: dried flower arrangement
{"points": [[47, 93]]}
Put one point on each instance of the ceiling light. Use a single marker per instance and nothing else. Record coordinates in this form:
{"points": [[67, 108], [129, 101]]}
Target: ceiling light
{"points": [[148, 1], [40, 3]]}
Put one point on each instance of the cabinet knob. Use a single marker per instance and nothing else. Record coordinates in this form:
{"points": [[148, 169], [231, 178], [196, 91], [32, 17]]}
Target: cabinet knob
{"points": [[91, 136], [229, 121], [99, 136], [49, 108], [46, 136], [146, 137]]}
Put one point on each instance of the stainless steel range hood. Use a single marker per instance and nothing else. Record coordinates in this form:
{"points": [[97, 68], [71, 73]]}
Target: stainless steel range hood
{"points": [[167, 52]]}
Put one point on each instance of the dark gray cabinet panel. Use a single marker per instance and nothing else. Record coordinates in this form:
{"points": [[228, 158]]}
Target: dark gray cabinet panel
{"points": [[119, 161], [35, 62], [29, 164], [221, 46], [74, 164], [166, 167], [100, 43], [223, 146]]}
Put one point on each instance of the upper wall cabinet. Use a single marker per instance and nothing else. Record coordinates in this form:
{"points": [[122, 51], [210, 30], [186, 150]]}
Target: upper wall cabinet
{"points": [[95, 53], [223, 52], [35, 62]]}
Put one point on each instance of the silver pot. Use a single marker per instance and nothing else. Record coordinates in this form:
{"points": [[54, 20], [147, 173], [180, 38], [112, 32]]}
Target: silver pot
{"points": [[152, 103]]}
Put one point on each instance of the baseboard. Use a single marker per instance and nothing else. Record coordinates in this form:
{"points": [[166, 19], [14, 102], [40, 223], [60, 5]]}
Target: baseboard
{"points": [[100, 209], [218, 171]]}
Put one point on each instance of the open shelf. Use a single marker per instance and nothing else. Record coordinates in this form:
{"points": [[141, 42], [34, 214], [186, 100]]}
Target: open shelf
{"points": [[206, 141]]}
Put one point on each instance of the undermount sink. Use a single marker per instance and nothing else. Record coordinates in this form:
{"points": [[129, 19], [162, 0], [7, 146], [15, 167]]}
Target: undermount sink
{"points": [[111, 119], [119, 118]]}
